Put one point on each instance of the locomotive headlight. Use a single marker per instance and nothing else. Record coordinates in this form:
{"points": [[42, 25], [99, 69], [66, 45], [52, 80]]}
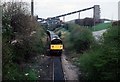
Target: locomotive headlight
{"points": [[61, 46], [52, 46]]}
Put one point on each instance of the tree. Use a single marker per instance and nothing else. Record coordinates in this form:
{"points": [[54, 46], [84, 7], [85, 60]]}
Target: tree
{"points": [[20, 39]]}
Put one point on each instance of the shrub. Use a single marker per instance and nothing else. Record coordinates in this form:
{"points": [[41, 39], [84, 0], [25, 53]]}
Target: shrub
{"points": [[21, 39], [101, 61], [91, 64], [79, 39]]}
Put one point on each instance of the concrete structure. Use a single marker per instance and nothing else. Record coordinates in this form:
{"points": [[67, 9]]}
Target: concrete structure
{"points": [[0, 42], [95, 19], [119, 10], [96, 12], [32, 7], [96, 9]]}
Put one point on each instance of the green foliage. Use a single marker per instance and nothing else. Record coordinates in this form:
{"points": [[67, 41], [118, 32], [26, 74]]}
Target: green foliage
{"points": [[101, 61], [21, 40], [71, 27], [91, 64], [12, 72], [15, 73], [32, 75], [37, 41], [112, 50], [79, 39]]}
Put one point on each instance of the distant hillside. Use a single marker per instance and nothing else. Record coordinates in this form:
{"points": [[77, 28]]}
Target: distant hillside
{"points": [[101, 26]]}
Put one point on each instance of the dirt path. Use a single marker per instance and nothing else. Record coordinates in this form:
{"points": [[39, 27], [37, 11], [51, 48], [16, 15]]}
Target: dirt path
{"points": [[98, 34], [70, 71]]}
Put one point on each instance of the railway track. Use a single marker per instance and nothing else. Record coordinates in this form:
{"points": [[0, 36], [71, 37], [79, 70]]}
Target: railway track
{"points": [[57, 70]]}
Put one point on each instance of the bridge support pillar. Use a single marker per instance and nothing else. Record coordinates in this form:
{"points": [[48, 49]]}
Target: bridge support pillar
{"points": [[96, 13], [64, 19], [79, 15]]}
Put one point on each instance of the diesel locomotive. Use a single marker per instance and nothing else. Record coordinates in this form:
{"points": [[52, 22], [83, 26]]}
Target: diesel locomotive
{"points": [[54, 43]]}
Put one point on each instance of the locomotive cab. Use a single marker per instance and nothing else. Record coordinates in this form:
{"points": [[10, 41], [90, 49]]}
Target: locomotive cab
{"points": [[56, 47]]}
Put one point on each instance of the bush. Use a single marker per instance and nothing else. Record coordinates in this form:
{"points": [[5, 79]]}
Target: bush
{"points": [[91, 64], [111, 51], [14, 73], [21, 40], [101, 62], [79, 39]]}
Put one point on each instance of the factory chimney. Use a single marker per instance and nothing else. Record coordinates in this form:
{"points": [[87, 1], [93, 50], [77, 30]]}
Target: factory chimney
{"points": [[32, 8]]}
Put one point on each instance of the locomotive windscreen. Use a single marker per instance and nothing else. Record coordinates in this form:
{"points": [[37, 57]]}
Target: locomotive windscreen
{"points": [[56, 41]]}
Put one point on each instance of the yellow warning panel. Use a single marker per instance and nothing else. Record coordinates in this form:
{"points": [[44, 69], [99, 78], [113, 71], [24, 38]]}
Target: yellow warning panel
{"points": [[56, 47]]}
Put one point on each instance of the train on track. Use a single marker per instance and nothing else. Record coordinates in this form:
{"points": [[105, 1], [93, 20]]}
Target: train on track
{"points": [[54, 43]]}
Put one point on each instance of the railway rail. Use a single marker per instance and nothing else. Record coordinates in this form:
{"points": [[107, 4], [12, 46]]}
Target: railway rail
{"points": [[57, 69]]}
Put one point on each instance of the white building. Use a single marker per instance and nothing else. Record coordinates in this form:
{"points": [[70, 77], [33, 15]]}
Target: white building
{"points": [[119, 10]]}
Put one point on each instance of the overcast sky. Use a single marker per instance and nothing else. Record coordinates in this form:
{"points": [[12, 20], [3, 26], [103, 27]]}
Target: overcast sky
{"points": [[51, 8]]}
